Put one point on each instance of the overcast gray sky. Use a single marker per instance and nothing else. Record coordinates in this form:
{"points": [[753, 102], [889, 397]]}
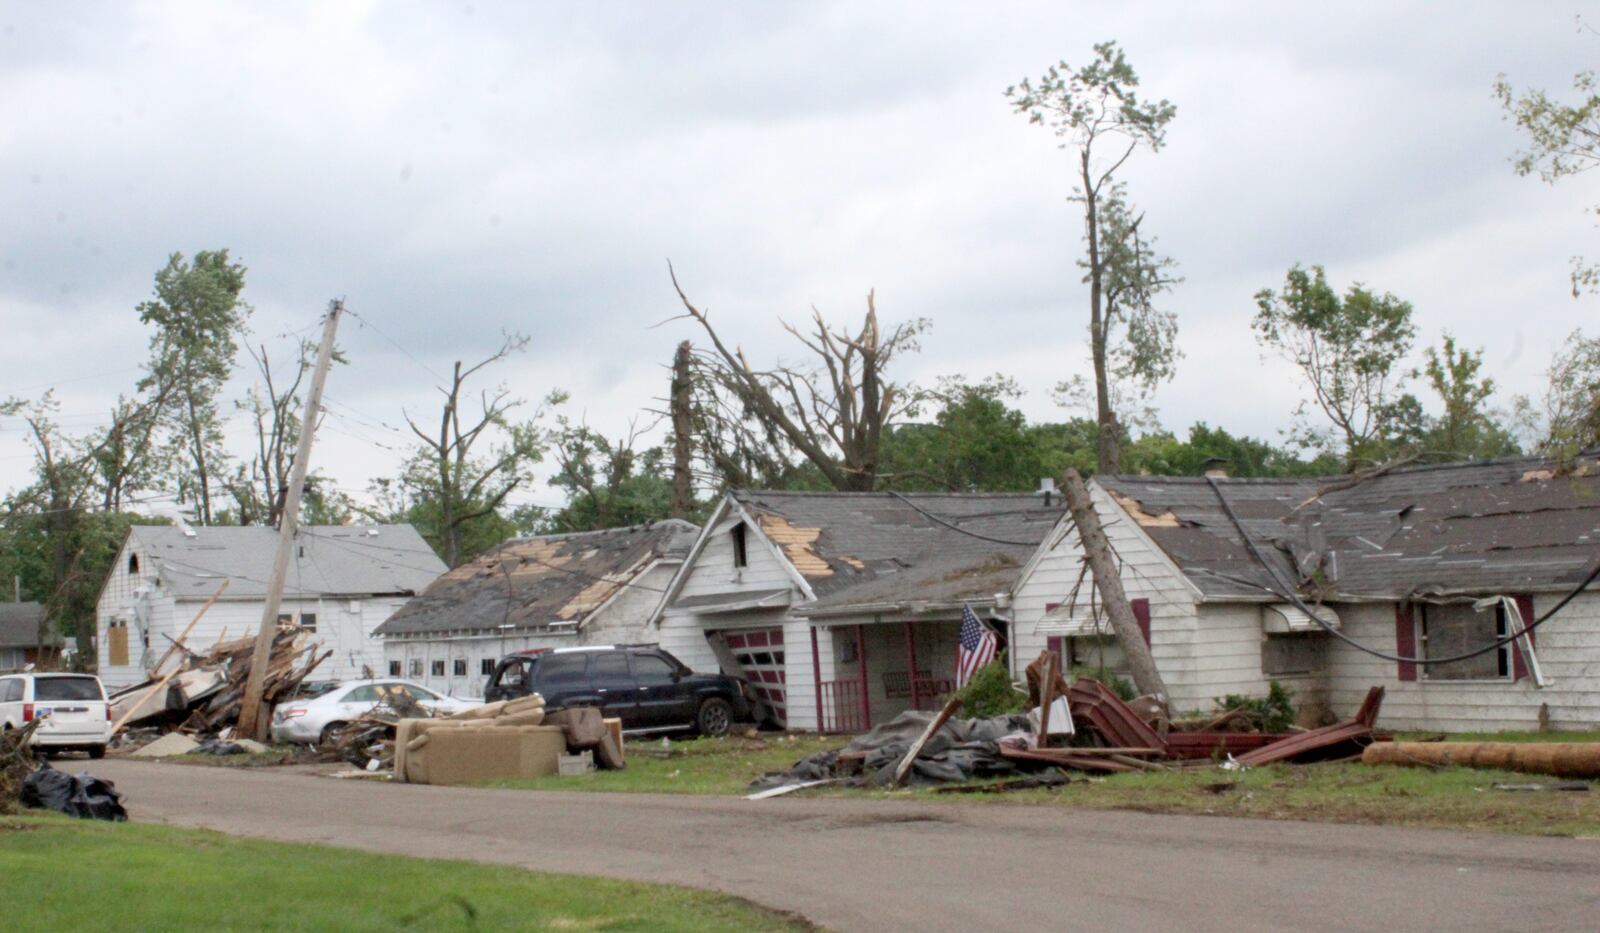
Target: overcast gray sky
{"points": [[458, 169]]}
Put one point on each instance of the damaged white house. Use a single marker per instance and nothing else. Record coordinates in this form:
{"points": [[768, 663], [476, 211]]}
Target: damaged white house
{"points": [[1425, 562], [551, 591], [343, 581], [843, 608]]}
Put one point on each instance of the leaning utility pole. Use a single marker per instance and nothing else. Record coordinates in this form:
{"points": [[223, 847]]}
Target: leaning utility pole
{"points": [[251, 722], [1146, 679]]}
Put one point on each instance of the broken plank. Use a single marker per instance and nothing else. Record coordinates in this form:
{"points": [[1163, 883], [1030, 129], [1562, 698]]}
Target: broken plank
{"points": [[938, 722]]}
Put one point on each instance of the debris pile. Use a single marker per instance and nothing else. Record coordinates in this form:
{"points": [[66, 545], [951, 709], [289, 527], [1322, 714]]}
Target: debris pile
{"points": [[511, 739], [368, 741], [16, 762], [1081, 727], [202, 695]]}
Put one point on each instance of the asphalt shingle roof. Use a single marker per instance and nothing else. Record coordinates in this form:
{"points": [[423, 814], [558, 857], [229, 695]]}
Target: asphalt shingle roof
{"points": [[1493, 526], [19, 625], [532, 582], [861, 549], [328, 560]]}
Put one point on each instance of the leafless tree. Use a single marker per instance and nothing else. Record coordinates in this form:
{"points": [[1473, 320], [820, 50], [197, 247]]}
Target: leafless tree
{"points": [[832, 414]]}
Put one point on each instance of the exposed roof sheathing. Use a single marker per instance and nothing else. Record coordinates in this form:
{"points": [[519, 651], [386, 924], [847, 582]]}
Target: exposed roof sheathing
{"points": [[1495, 526], [534, 582], [874, 549]]}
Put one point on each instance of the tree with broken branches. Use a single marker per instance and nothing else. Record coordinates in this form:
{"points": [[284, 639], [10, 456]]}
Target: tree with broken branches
{"points": [[1348, 349], [1096, 111], [753, 423], [447, 486]]}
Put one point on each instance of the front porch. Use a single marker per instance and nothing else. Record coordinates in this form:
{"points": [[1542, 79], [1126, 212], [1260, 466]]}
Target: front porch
{"points": [[882, 669]]}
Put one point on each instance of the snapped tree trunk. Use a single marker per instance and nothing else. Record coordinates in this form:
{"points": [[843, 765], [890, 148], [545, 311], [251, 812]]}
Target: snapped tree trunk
{"points": [[1141, 665], [681, 406]]}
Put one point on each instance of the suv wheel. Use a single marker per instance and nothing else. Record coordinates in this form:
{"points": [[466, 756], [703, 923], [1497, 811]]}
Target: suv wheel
{"points": [[716, 715]]}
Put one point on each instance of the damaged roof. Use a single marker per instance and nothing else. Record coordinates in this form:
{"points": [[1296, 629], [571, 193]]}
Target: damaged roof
{"points": [[341, 561], [1512, 525], [902, 550], [541, 581]]}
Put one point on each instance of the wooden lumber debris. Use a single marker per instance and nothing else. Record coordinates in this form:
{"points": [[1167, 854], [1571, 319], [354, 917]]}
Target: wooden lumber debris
{"points": [[938, 722], [1340, 741], [1558, 759]]}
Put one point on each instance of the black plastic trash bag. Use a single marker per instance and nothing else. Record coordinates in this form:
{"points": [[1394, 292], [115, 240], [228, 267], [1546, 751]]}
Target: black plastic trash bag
{"points": [[82, 795]]}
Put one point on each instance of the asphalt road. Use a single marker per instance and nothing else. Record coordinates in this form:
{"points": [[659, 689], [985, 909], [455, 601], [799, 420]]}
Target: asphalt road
{"points": [[895, 865]]}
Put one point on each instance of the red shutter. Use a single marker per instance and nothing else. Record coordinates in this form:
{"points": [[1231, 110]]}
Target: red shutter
{"points": [[1405, 639], [1519, 661], [1141, 614], [1056, 645]]}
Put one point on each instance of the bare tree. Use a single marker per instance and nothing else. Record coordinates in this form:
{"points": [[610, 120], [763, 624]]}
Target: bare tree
{"points": [[455, 486], [833, 414], [259, 486]]}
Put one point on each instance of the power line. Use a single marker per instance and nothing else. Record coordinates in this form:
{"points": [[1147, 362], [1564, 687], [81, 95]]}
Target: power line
{"points": [[956, 528], [396, 344], [1288, 594]]}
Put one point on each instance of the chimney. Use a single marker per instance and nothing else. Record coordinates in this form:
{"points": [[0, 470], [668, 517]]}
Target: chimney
{"points": [[1217, 467], [1047, 488]]}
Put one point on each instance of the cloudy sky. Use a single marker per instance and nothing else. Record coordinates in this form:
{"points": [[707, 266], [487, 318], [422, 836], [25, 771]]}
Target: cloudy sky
{"points": [[455, 170]]}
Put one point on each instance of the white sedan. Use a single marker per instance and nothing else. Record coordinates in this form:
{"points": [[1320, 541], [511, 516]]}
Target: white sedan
{"points": [[311, 720]]}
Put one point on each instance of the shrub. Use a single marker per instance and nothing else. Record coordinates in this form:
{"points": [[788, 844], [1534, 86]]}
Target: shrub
{"points": [[990, 693], [1272, 713], [1119, 685]]}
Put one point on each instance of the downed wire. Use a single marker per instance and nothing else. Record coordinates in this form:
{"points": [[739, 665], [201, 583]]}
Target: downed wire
{"points": [[1287, 593]]}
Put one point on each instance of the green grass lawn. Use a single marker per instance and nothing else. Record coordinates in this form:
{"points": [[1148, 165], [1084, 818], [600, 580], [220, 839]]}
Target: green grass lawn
{"points": [[691, 766], [1451, 798], [58, 873]]}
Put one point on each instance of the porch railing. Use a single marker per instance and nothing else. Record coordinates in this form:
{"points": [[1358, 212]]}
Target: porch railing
{"points": [[841, 706], [933, 692]]}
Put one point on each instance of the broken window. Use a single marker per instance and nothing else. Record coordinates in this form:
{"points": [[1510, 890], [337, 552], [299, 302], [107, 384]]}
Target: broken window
{"points": [[1294, 653], [740, 555], [1457, 628], [1094, 652], [133, 564], [394, 668]]}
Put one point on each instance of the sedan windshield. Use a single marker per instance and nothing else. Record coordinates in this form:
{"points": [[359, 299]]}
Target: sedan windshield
{"points": [[67, 688]]}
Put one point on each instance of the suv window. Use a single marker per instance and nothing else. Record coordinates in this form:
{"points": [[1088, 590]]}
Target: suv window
{"points": [[610, 668], [563, 670], [652, 671], [11, 690], [67, 688]]}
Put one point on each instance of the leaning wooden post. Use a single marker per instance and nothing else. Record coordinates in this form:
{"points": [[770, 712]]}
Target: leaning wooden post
{"points": [[1109, 582], [251, 722]]}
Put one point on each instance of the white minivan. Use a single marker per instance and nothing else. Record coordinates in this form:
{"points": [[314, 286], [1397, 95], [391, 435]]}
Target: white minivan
{"points": [[71, 710]]}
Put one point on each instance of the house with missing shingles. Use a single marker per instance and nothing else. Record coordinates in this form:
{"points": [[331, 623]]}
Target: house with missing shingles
{"points": [[551, 591], [1422, 562], [342, 583], [843, 609]]}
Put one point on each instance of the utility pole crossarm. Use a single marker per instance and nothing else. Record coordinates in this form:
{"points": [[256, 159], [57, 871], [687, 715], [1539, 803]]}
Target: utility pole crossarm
{"points": [[251, 722]]}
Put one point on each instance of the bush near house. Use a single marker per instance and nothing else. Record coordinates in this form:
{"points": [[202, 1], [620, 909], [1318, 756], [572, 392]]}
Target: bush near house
{"points": [[990, 693]]}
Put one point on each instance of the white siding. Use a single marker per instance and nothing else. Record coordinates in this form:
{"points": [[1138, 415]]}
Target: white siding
{"points": [[1568, 648], [683, 632], [1147, 574]]}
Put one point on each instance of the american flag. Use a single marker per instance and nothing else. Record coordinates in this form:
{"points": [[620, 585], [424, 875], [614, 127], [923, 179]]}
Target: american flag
{"points": [[977, 646]]}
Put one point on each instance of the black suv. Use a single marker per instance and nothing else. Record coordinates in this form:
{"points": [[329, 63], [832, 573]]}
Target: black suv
{"points": [[645, 687]]}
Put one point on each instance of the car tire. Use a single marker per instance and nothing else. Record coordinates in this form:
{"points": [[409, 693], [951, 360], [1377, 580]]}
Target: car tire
{"points": [[715, 717], [328, 730], [97, 752]]}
